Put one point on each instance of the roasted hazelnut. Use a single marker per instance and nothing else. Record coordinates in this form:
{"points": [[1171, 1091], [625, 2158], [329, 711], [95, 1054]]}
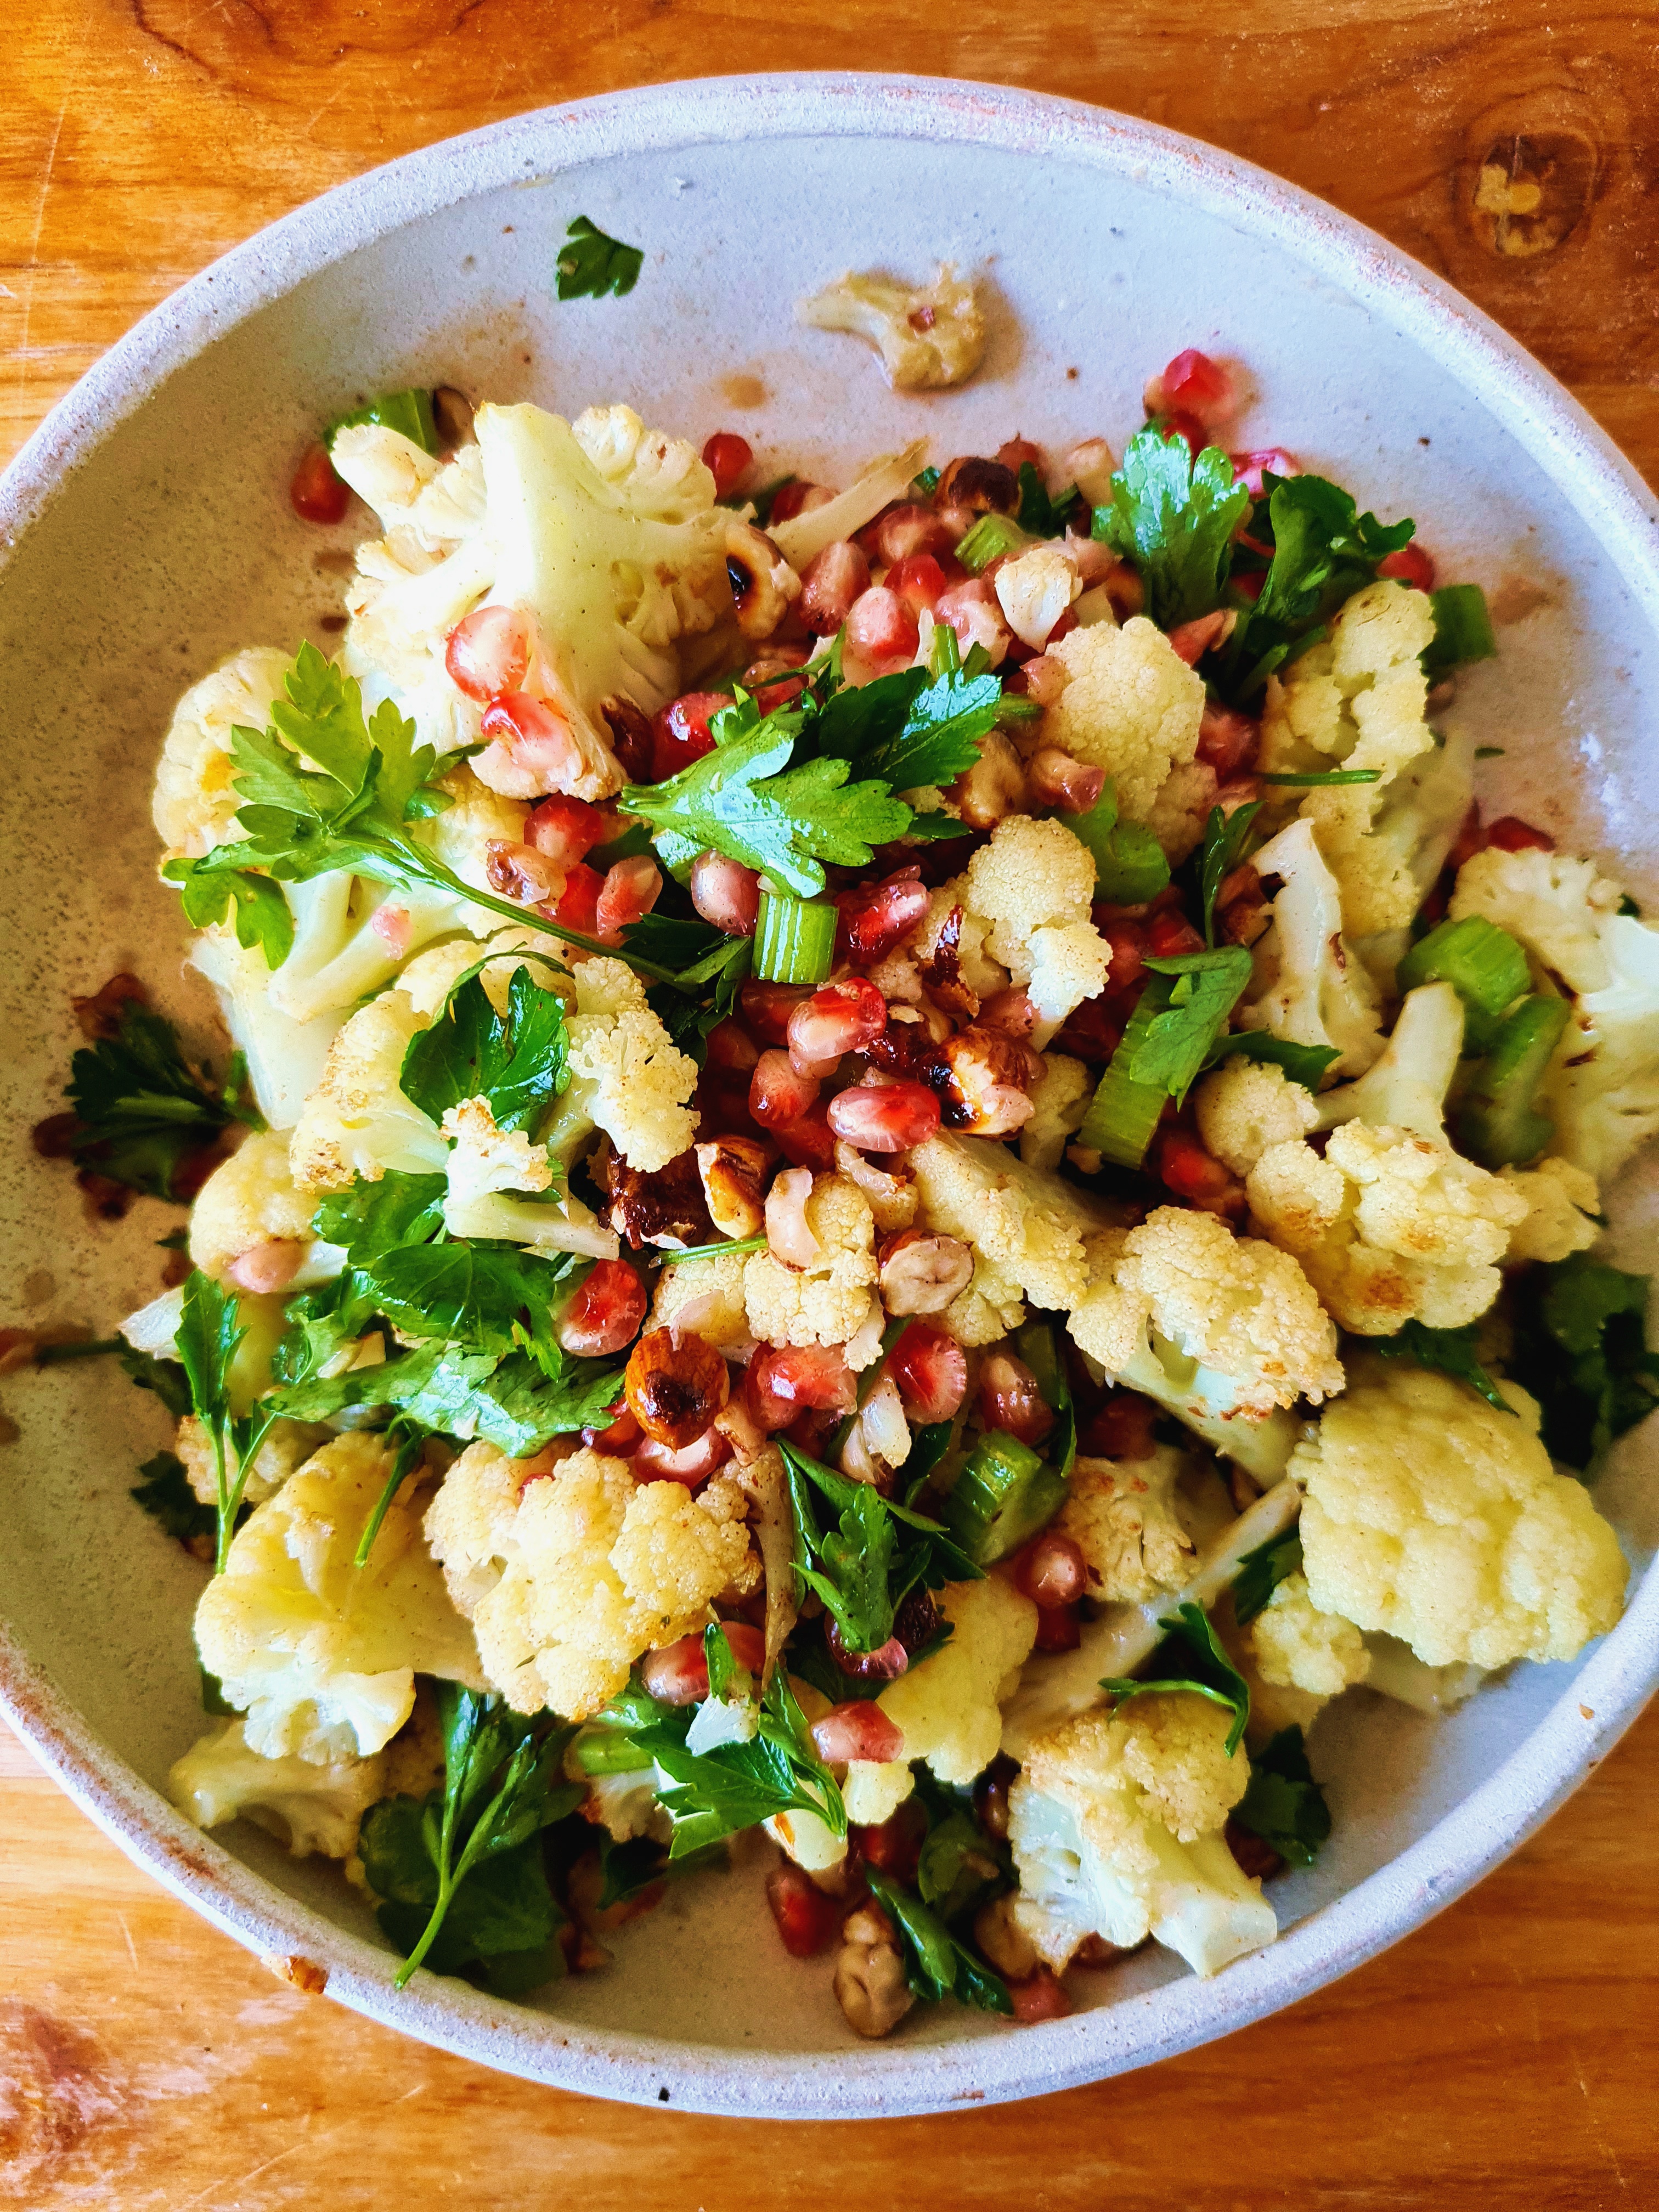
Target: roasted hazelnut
{"points": [[676, 1383]]}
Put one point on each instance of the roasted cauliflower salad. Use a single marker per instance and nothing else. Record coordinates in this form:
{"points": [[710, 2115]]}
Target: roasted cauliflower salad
{"points": [[905, 1169]]}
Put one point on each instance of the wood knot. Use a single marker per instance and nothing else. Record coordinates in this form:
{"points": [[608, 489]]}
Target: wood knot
{"points": [[1532, 167]]}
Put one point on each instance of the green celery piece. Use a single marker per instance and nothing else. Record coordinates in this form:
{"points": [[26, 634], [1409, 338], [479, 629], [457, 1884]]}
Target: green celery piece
{"points": [[991, 537], [1462, 629], [1003, 1496], [1119, 1123], [1499, 1124], [1484, 965], [795, 939]]}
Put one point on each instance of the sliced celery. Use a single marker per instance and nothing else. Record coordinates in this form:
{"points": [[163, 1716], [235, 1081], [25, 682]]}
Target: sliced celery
{"points": [[991, 537], [1483, 963], [1500, 1125], [795, 939], [1119, 1123], [1462, 628], [1003, 1495]]}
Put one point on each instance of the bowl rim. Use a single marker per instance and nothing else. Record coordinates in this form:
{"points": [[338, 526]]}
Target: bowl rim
{"points": [[1612, 1685]]}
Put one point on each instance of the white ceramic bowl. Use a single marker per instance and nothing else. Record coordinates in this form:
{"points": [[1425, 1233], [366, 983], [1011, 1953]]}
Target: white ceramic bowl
{"points": [[145, 533]]}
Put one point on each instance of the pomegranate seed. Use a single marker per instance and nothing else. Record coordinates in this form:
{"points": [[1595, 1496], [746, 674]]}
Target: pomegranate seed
{"points": [[620, 1441], [974, 611], [578, 905], [1059, 1628], [886, 1664], [628, 728], [895, 1847], [766, 1008], [1248, 467], [1122, 1429], [1016, 451], [1051, 1570], [1511, 835], [1171, 933], [678, 1674], [796, 497], [889, 1117], [631, 888], [1053, 778], [875, 917], [605, 1312], [725, 893], [1254, 1857], [858, 1729], [316, 494], [393, 927], [807, 1921], [839, 1019], [908, 534], [1227, 741], [1194, 385], [785, 1380], [680, 732], [1008, 1400], [1410, 565], [530, 750], [806, 1141], [655, 1462], [727, 457], [919, 581], [1184, 1167], [732, 1049], [1191, 640], [881, 627], [931, 1370], [1039, 1996], [566, 828], [488, 653], [778, 1092], [269, 1266], [829, 584]]}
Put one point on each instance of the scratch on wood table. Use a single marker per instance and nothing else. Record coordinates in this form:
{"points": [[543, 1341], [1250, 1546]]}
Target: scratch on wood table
{"points": [[1502, 2059]]}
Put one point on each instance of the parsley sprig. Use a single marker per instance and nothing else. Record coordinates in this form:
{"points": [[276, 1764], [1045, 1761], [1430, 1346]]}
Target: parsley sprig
{"points": [[1192, 1643], [862, 1567], [210, 1330], [141, 1109], [1283, 1804], [592, 266]]}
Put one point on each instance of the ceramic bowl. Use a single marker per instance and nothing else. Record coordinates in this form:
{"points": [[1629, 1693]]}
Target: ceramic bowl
{"points": [[145, 533]]}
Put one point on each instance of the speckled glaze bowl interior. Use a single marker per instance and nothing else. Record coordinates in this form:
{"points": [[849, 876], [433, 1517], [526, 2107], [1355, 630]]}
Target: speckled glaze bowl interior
{"points": [[144, 534]]}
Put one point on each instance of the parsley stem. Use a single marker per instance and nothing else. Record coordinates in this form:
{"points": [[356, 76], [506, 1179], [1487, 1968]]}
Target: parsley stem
{"points": [[409, 1441], [48, 1355], [436, 872]]}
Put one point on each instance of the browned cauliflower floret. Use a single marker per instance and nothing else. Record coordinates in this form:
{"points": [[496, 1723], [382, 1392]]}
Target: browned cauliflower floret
{"points": [[828, 1302], [251, 1199], [1027, 1226], [1121, 1515], [1132, 706], [1247, 1105], [1031, 888], [569, 1577], [928, 335], [1388, 1227], [285, 1446], [707, 1296]]}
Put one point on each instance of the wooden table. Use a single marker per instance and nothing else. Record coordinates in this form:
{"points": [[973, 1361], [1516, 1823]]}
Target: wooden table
{"points": [[1502, 2058]]}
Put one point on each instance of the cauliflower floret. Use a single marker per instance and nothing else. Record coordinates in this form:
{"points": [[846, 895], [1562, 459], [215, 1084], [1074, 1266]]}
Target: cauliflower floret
{"points": [[194, 803], [1130, 705], [438, 502], [305, 1807], [608, 534], [828, 1302], [1115, 1824], [929, 336], [1433, 1516], [358, 1122], [486, 1166], [1358, 701], [1558, 906], [707, 1296], [249, 1199], [949, 1707], [1390, 1227], [626, 1074], [285, 1058], [1602, 1089], [1034, 591], [321, 1653], [569, 1579], [285, 1446], [1561, 1201], [1206, 1322], [1296, 1646], [1247, 1105], [1406, 1087], [986, 1310], [1030, 890], [1028, 1225], [1058, 1105], [1309, 986], [1121, 1515]]}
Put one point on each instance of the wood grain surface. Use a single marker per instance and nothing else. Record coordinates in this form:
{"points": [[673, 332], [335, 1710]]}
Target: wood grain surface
{"points": [[1503, 2058]]}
